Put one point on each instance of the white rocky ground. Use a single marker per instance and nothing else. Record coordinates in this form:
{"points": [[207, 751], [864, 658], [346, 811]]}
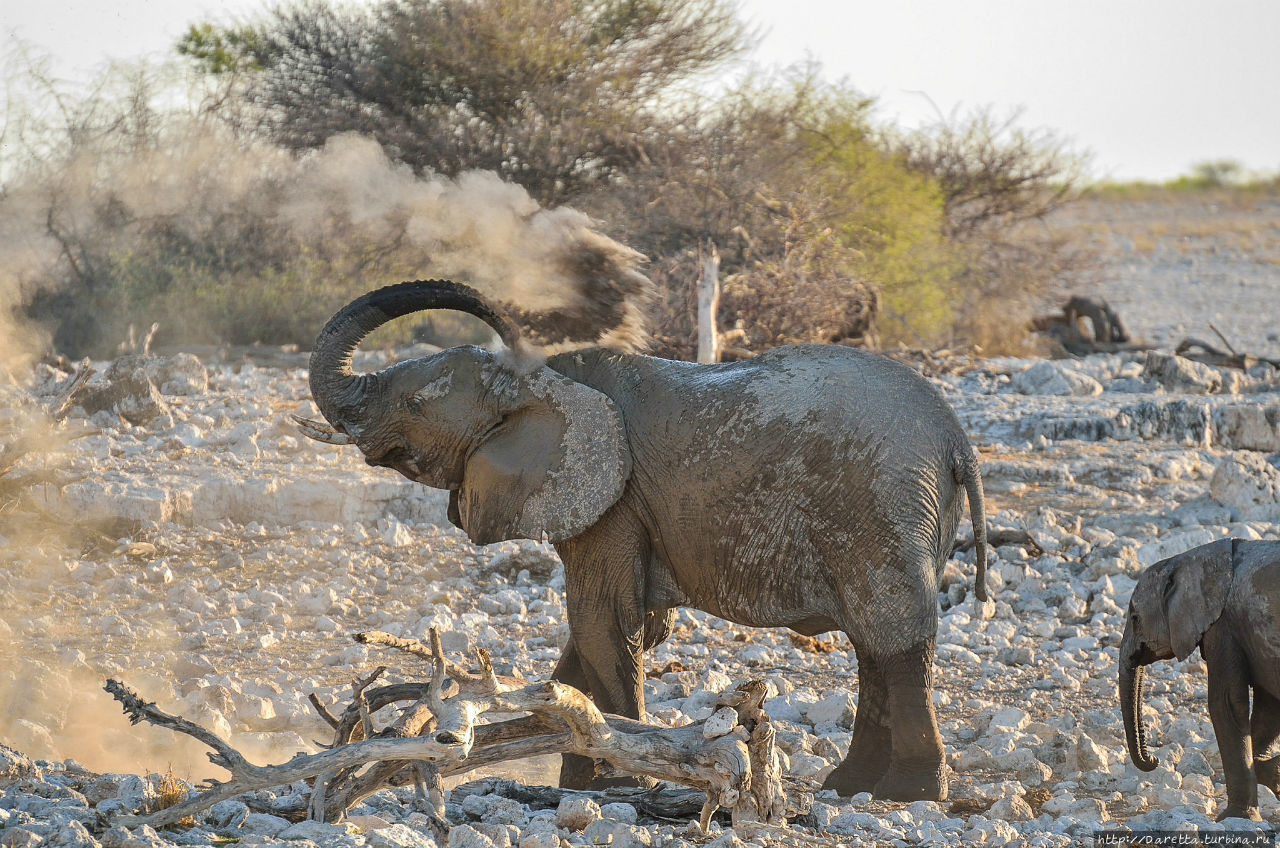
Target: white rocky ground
{"points": [[239, 557]]}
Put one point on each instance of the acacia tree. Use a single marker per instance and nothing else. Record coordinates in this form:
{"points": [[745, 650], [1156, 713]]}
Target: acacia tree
{"points": [[824, 236], [558, 96], [1000, 185]]}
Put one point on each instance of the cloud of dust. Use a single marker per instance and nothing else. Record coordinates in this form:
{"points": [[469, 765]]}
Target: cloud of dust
{"points": [[566, 283], [52, 711], [27, 255]]}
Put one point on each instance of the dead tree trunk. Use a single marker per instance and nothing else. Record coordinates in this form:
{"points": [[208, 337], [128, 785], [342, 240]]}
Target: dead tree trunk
{"points": [[708, 305]]}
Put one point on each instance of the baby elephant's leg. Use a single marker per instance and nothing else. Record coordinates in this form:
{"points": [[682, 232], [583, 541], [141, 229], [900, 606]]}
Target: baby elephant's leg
{"points": [[1229, 710], [1264, 727]]}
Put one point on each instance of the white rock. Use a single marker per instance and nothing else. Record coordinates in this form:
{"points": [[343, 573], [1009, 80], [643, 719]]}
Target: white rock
{"points": [[837, 707], [577, 813], [540, 839], [319, 832], [1248, 485], [1176, 543], [264, 824], [465, 836], [1251, 426], [618, 811], [722, 721], [1176, 373], [1089, 756], [1011, 809], [395, 534], [1008, 720], [1022, 764], [1088, 809], [1050, 377], [792, 706], [619, 834], [142, 837], [808, 765]]}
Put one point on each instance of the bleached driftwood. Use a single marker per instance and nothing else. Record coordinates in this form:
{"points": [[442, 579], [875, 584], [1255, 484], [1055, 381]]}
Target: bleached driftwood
{"points": [[731, 756]]}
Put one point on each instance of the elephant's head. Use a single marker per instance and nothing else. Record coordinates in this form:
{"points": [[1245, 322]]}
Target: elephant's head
{"points": [[524, 451], [1173, 605]]}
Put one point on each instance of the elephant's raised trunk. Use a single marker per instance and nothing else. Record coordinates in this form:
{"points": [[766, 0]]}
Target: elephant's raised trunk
{"points": [[1132, 669], [341, 394]]}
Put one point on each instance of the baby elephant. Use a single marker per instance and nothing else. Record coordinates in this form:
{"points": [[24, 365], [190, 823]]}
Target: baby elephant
{"points": [[1224, 597]]}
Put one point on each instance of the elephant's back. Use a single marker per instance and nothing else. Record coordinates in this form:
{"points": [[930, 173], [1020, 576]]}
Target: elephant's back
{"points": [[841, 392]]}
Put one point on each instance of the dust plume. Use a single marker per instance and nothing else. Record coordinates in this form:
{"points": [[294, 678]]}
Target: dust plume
{"points": [[563, 281], [26, 257]]}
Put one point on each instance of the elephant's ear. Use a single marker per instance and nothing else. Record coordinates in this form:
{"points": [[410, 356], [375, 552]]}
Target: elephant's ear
{"points": [[1196, 593], [555, 464]]}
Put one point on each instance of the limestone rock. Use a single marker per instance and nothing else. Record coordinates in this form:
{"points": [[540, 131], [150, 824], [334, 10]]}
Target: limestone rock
{"points": [[1248, 426], [577, 813], [126, 390], [1248, 485], [838, 707], [1011, 809], [1179, 374], [1050, 377]]}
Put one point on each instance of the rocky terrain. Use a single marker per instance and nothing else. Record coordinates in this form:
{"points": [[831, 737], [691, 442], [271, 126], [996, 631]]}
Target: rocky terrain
{"points": [[191, 543]]}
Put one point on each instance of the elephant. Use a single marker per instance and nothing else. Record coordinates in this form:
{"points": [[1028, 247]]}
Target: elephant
{"points": [[1224, 597], [812, 487]]}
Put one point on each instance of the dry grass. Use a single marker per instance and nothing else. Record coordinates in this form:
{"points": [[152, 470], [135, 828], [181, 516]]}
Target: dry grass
{"points": [[170, 792]]}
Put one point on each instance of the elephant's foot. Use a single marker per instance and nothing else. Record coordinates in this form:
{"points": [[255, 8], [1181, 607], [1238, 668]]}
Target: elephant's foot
{"points": [[1237, 812], [866, 763], [912, 784], [850, 779], [622, 782], [578, 772], [1268, 773]]}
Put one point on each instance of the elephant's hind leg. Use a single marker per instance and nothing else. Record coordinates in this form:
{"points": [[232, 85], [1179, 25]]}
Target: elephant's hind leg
{"points": [[868, 757], [917, 767], [1264, 727]]}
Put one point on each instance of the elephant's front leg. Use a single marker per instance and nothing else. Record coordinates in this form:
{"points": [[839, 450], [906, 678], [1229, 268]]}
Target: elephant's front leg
{"points": [[1229, 710], [607, 625], [578, 772], [917, 766]]}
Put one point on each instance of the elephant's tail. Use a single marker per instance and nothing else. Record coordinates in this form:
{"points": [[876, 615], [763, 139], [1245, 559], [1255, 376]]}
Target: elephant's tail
{"points": [[968, 475]]}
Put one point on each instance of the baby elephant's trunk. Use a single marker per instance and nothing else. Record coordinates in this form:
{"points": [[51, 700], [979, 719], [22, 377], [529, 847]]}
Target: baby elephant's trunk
{"points": [[1131, 674]]}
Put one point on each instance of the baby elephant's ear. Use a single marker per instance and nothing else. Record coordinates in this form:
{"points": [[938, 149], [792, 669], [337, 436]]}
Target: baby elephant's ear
{"points": [[555, 464], [1196, 594]]}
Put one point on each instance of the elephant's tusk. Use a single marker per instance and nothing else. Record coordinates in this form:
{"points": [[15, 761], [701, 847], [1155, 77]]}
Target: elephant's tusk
{"points": [[320, 431]]}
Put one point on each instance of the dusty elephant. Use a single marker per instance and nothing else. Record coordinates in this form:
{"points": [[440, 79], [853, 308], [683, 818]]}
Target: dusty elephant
{"points": [[812, 487], [1224, 597]]}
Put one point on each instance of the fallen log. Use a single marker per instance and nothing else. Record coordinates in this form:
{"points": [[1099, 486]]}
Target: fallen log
{"points": [[731, 757], [1202, 351]]}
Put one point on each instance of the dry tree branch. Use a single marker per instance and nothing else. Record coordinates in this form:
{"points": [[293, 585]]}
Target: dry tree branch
{"points": [[731, 756]]}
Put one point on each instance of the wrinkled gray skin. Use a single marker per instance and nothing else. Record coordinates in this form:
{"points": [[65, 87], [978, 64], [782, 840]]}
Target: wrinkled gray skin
{"points": [[1224, 597], [816, 488]]}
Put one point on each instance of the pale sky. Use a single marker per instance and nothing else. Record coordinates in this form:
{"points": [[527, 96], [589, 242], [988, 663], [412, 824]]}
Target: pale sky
{"points": [[1150, 87]]}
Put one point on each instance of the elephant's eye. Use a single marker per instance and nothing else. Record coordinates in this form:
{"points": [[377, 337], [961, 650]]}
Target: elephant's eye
{"points": [[415, 404]]}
